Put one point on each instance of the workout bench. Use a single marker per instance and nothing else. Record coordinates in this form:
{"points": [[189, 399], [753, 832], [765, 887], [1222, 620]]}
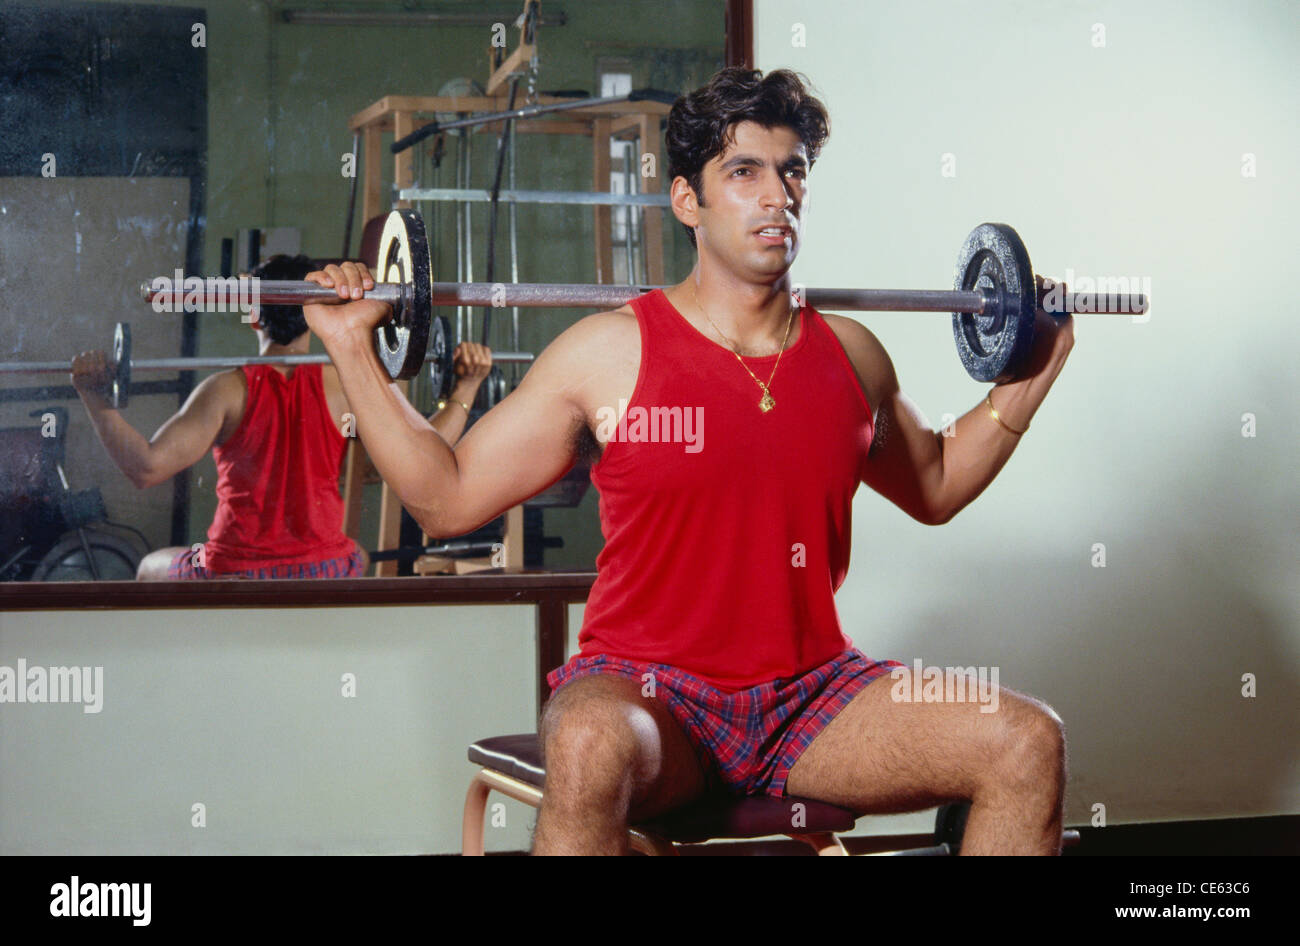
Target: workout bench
{"points": [[512, 765]]}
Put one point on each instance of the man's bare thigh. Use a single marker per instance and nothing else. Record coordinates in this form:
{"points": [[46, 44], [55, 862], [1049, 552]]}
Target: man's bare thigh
{"points": [[882, 756], [666, 773]]}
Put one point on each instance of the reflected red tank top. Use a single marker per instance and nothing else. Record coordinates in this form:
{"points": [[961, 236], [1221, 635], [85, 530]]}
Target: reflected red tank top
{"points": [[278, 499], [727, 530]]}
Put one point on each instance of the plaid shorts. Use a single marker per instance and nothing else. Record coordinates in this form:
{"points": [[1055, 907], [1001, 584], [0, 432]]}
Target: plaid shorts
{"points": [[748, 740], [352, 565]]}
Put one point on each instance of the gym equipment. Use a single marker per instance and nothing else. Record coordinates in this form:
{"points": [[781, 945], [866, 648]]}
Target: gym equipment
{"points": [[993, 305], [123, 365]]}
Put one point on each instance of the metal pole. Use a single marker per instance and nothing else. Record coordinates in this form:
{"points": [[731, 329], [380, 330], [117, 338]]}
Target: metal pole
{"points": [[644, 265], [563, 295], [494, 206], [460, 243], [587, 295], [352, 196], [575, 198], [627, 215], [527, 111], [417, 383], [514, 255], [200, 363], [469, 233]]}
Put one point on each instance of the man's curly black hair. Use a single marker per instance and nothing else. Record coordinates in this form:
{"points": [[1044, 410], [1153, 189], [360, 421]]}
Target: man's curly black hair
{"points": [[701, 123], [283, 323]]}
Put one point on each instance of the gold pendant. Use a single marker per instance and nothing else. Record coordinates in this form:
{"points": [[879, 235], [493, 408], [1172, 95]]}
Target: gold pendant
{"points": [[766, 403]]}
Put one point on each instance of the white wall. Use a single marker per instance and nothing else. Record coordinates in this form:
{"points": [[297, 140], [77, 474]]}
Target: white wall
{"points": [[1117, 160], [242, 711]]}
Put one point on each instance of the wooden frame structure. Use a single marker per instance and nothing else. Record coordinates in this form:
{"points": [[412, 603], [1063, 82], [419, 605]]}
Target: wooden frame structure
{"points": [[400, 115]]}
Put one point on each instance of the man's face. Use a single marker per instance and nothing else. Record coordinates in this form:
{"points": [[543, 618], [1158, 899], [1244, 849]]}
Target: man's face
{"points": [[755, 194]]}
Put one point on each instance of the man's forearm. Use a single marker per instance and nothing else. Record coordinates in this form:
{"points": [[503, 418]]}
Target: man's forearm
{"points": [[414, 460], [125, 445], [979, 446], [451, 420]]}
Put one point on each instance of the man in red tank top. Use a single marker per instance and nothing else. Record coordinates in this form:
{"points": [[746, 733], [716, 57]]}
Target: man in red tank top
{"points": [[729, 430], [278, 435]]}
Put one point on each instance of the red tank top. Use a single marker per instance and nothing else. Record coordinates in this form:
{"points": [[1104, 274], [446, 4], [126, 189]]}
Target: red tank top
{"points": [[278, 499], [724, 550]]}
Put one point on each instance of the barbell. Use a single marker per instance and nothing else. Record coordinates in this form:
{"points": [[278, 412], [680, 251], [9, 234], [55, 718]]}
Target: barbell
{"points": [[438, 355], [993, 304]]}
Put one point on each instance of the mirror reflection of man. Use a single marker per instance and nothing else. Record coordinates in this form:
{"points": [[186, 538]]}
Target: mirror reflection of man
{"points": [[278, 435]]}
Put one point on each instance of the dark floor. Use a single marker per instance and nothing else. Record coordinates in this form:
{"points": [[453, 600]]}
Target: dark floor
{"points": [[1275, 836]]}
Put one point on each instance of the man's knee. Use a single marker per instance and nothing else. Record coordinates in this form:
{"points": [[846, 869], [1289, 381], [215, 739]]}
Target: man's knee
{"points": [[594, 735], [155, 565], [1034, 746]]}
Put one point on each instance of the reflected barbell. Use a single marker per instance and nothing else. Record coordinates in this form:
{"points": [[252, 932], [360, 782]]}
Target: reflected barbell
{"points": [[993, 303], [122, 365]]}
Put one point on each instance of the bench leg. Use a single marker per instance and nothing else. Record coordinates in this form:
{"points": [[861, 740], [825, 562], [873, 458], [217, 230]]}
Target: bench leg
{"points": [[650, 844], [471, 828], [824, 843]]}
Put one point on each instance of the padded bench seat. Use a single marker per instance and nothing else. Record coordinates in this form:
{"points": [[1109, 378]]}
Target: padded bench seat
{"points": [[715, 816]]}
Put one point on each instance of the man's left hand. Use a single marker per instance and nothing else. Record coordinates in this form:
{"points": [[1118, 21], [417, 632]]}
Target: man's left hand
{"points": [[471, 362], [1053, 339]]}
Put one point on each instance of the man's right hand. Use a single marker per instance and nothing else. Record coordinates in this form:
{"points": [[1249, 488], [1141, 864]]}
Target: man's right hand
{"points": [[351, 317], [91, 373]]}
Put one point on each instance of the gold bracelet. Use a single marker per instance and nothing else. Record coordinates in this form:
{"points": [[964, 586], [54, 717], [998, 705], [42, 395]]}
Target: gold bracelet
{"points": [[443, 404], [994, 413]]}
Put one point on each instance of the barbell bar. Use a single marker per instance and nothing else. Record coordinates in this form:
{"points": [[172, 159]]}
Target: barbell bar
{"points": [[568, 295], [438, 356], [993, 303]]}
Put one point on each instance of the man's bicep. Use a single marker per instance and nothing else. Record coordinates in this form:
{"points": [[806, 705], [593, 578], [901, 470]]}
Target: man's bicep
{"points": [[905, 463], [189, 433], [518, 448]]}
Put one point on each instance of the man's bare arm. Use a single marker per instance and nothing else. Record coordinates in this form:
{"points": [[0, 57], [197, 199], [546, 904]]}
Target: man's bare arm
{"points": [[929, 476], [471, 365], [178, 444], [515, 451]]}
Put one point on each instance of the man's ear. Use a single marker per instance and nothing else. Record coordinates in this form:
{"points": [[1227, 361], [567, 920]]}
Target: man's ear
{"points": [[685, 203]]}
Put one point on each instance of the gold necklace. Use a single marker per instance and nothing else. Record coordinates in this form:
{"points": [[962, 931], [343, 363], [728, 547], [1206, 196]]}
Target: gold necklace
{"points": [[766, 402]]}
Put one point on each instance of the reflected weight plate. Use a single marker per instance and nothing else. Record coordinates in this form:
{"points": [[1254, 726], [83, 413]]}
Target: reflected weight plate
{"points": [[119, 387], [440, 364]]}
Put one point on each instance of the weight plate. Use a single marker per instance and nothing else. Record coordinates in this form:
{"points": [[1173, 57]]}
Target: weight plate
{"points": [[119, 387], [440, 364], [404, 258], [995, 346], [496, 388]]}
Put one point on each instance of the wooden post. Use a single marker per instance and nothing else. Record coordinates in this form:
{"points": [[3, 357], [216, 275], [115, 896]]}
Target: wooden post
{"points": [[354, 467], [552, 642], [372, 192], [390, 514], [404, 164], [513, 539]]}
